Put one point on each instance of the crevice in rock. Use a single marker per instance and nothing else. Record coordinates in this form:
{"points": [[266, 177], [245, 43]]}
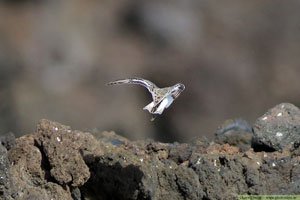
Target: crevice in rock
{"points": [[222, 160], [244, 172], [262, 147], [45, 164], [113, 182], [183, 194]]}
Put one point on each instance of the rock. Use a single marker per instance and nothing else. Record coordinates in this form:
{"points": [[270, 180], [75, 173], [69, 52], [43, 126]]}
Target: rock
{"points": [[48, 163], [8, 140], [234, 125], [236, 133], [6, 186], [113, 138], [61, 148], [123, 174], [296, 148], [180, 153], [278, 128], [56, 162], [76, 194], [222, 149], [30, 172]]}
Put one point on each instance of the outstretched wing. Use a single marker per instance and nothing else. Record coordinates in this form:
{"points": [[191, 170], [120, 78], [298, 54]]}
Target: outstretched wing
{"points": [[147, 84]]}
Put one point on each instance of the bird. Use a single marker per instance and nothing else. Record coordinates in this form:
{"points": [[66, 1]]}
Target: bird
{"points": [[162, 97]]}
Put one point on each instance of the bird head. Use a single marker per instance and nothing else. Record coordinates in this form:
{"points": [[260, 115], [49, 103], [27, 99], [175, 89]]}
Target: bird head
{"points": [[177, 89]]}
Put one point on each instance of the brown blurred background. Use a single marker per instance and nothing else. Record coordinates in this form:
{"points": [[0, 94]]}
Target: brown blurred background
{"points": [[236, 58]]}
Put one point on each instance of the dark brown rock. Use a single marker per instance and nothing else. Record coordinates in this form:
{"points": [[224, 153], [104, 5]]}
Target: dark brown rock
{"points": [[181, 153], [236, 133], [8, 140], [61, 148], [6, 186], [30, 179], [277, 128], [58, 163], [48, 163]]}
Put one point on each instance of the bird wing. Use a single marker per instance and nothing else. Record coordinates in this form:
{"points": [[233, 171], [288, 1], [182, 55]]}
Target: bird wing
{"points": [[158, 96], [147, 84]]}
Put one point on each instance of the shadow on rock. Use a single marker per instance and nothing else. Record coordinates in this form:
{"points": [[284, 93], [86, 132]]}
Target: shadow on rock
{"points": [[113, 182]]}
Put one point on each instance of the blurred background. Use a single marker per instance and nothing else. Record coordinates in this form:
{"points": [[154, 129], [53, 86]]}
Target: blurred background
{"points": [[236, 58]]}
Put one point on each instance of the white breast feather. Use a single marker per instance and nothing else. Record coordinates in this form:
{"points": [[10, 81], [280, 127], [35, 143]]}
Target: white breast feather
{"points": [[164, 104]]}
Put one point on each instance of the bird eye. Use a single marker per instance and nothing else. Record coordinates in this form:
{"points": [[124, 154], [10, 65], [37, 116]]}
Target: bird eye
{"points": [[181, 86]]}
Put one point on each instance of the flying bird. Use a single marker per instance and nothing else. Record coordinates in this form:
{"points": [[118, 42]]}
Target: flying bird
{"points": [[162, 97]]}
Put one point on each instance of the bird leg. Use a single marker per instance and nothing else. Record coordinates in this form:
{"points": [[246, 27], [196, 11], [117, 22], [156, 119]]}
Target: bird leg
{"points": [[153, 118]]}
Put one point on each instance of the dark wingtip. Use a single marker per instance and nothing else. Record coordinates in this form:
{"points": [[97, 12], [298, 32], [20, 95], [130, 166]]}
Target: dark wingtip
{"points": [[181, 86], [109, 83]]}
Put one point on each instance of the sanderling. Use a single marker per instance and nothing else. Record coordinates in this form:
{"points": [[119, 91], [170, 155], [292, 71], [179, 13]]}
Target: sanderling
{"points": [[162, 97]]}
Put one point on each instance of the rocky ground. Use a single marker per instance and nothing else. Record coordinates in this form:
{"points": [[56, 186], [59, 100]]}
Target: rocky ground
{"points": [[56, 162]]}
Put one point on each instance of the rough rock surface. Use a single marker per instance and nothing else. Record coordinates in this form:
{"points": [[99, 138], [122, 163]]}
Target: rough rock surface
{"points": [[278, 128], [49, 164], [236, 133], [56, 162], [6, 186], [8, 140], [57, 143]]}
